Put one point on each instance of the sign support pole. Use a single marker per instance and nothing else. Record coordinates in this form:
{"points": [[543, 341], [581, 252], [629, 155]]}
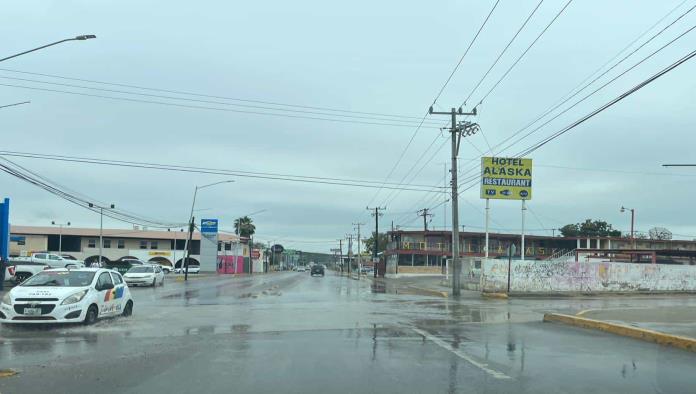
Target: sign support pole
{"points": [[488, 201], [524, 208]]}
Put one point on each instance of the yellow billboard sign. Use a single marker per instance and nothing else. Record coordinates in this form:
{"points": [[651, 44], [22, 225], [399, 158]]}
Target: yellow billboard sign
{"points": [[506, 178]]}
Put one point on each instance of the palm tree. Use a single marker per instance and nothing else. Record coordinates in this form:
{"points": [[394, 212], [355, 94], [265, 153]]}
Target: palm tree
{"points": [[244, 227]]}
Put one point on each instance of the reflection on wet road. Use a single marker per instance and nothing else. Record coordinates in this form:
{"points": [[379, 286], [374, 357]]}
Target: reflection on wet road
{"points": [[290, 332]]}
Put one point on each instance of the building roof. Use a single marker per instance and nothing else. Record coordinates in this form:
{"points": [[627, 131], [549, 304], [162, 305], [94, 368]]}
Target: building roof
{"points": [[474, 234], [112, 233]]}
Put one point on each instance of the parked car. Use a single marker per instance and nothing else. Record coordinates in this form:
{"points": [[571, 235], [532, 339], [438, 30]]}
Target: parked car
{"points": [[24, 270], [67, 296], [317, 269], [192, 269], [51, 259], [145, 275]]}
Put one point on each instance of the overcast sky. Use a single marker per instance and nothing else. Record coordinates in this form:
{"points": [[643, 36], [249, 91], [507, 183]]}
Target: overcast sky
{"points": [[384, 57]]}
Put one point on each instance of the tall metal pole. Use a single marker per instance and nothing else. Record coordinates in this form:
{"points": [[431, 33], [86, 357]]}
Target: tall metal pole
{"points": [[444, 198], [375, 250], [60, 239], [488, 207], [455, 130], [524, 208], [101, 229]]}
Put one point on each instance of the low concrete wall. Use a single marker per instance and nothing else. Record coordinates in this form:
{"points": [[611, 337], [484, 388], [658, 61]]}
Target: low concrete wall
{"points": [[403, 269], [529, 277]]}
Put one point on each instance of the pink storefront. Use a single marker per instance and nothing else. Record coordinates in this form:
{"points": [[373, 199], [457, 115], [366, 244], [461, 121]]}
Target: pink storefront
{"points": [[230, 265]]}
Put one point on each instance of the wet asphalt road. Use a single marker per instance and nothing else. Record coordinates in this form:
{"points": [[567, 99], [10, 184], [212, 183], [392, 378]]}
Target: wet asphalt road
{"points": [[291, 333]]}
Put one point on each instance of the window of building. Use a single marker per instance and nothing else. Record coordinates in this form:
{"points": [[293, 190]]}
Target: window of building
{"points": [[91, 243], [153, 245], [107, 243], [143, 244], [121, 244]]}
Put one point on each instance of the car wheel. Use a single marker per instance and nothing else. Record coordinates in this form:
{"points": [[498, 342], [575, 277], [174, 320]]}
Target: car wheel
{"points": [[128, 310], [92, 314]]}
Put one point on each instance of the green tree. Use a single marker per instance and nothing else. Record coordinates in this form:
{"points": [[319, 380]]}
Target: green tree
{"points": [[589, 228], [383, 241], [244, 227]]}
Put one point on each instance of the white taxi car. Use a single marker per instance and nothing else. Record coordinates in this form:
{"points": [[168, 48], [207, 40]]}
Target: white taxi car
{"points": [[67, 296]]}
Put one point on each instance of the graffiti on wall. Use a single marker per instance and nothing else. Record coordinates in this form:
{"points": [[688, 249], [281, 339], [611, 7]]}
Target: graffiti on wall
{"points": [[587, 277]]}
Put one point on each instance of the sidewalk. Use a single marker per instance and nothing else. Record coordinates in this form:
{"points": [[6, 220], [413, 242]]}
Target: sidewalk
{"points": [[436, 286], [676, 320], [667, 325]]}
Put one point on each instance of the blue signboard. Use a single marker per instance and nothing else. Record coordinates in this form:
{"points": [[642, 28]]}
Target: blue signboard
{"points": [[4, 231], [209, 226]]}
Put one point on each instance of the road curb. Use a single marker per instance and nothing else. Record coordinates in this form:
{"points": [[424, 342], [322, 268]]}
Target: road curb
{"points": [[501, 296], [644, 334], [436, 293]]}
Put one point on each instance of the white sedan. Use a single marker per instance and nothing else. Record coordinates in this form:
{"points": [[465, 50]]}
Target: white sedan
{"points": [[67, 296], [145, 275]]}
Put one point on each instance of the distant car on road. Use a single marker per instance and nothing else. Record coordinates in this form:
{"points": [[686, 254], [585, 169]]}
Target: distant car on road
{"points": [[300, 269], [317, 270], [67, 296], [145, 275], [192, 269]]}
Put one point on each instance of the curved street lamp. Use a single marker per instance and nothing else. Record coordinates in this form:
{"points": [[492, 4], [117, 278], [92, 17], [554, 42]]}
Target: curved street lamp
{"points": [[77, 38], [187, 253]]}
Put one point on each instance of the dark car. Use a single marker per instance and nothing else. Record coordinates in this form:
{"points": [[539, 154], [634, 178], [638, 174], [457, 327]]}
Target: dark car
{"points": [[317, 269]]}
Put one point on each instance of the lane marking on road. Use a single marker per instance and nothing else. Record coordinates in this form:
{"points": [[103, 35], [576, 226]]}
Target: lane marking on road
{"points": [[484, 367], [5, 373]]}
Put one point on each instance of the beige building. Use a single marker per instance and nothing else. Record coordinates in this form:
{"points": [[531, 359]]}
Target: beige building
{"points": [[164, 247]]}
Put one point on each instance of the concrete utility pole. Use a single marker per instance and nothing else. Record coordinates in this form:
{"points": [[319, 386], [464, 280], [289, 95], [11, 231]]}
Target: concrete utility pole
{"points": [[350, 251], [424, 212], [467, 128], [340, 252], [359, 254], [375, 249]]}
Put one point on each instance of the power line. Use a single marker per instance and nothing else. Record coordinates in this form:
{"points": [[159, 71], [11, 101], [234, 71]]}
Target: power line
{"points": [[589, 94], [595, 79], [407, 122], [525, 52], [607, 105], [203, 170], [28, 176], [588, 116], [434, 102], [207, 108], [503, 51], [461, 59], [207, 95]]}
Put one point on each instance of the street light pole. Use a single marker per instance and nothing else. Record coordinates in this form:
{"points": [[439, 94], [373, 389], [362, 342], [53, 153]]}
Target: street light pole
{"points": [[78, 38], [60, 234], [633, 218], [101, 227], [189, 239]]}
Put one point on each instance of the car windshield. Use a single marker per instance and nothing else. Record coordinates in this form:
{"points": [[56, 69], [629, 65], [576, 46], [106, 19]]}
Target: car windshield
{"points": [[60, 279], [140, 270]]}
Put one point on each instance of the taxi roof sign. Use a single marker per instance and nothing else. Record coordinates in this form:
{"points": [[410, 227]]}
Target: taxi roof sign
{"points": [[506, 178]]}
